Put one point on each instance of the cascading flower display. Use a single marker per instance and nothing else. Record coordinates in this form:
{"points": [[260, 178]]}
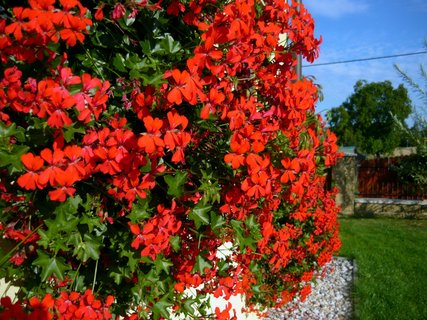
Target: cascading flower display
{"points": [[139, 138]]}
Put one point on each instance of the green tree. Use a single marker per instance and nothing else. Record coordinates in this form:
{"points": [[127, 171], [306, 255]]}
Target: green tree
{"points": [[367, 118], [413, 169]]}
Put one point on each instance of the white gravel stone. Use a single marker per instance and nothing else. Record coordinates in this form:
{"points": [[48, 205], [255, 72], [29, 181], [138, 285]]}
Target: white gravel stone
{"points": [[330, 298]]}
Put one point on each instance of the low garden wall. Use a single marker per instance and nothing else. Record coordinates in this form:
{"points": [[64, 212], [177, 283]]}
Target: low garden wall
{"points": [[390, 208], [345, 177]]}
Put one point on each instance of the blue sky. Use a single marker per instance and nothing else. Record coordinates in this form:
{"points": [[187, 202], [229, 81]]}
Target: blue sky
{"points": [[353, 29]]}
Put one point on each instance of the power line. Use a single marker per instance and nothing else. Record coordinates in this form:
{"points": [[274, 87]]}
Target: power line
{"points": [[364, 59]]}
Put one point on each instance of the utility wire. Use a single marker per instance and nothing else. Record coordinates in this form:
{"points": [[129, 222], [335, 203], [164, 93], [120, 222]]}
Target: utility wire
{"points": [[364, 59]]}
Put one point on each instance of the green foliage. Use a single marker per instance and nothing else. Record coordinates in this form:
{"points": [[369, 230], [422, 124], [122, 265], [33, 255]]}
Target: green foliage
{"points": [[365, 119]]}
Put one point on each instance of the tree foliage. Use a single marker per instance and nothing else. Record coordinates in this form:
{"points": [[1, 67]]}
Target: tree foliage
{"points": [[413, 169], [366, 118], [139, 138]]}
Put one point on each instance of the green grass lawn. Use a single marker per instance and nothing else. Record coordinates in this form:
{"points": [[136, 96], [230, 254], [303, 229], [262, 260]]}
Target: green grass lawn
{"points": [[391, 256]]}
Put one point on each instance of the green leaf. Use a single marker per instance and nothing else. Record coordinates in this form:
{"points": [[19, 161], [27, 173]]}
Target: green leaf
{"points": [[217, 222], [74, 239], [155, 79], [65, 219], [92, 221], [243, 239], [253, 226], [88, 248], [118, 273], [119, 62], [70, 131], [12, 158], [169, 45], [147, 167], [175, 242], [140, 210], [135, 74], [51, 265], [70, 206], [223, 267], [201, 265], [161, 309], [129, 21], [162, 264], [12, 130], [210, 187], [200, 214], [176, 183], [188, 306], [133, 257]]}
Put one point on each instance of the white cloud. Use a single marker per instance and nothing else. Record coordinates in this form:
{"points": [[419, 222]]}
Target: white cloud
{"points": [[335, 8]]}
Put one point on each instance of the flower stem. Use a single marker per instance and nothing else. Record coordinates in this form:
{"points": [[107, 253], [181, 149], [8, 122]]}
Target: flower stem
{"points": [[94, 276]]}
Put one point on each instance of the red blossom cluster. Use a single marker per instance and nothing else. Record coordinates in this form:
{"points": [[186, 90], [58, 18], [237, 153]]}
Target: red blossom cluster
{"points": [[226, 148], [66, 306], [27, 37], [51, 99], [156, 232]]}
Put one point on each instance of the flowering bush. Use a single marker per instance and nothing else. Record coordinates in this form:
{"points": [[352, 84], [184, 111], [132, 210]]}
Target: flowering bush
{"points": [[138, 138]]}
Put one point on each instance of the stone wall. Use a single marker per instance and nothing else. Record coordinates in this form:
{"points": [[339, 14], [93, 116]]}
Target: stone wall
{"points": [[374, 207], [344, 176]]}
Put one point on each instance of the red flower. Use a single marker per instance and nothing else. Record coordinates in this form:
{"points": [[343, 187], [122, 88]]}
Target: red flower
{"points": [[66, 304], [31, 179], [185, 87], [11, 310], [235, 159], [55, 160], [17, 27], [118, 11], [151, 140], [292, 168], [225, 314], [99, 15], [41, 308]]}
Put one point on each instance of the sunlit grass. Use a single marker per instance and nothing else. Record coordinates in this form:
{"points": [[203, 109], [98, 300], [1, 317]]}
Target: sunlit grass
{"points": [[391, 256]]}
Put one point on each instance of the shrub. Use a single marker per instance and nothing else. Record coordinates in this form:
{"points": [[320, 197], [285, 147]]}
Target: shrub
{"points": [[140, 139]]}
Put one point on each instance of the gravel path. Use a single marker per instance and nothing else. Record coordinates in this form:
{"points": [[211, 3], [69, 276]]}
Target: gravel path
{"points": [[330, 298]]}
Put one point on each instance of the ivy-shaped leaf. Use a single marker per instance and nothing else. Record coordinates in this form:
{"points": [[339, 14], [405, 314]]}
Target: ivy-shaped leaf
{"points": [[88, 248], [217, 222], [176, 183], [254, 227], [175, 242], [201, 265], [162, 264], [140, 210], [200, 214], [12, 130], [243, 239], [169, 45], [70, 131], [160, 309], [119, 62], [12, 157], [210, 187], [51, 265]]}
